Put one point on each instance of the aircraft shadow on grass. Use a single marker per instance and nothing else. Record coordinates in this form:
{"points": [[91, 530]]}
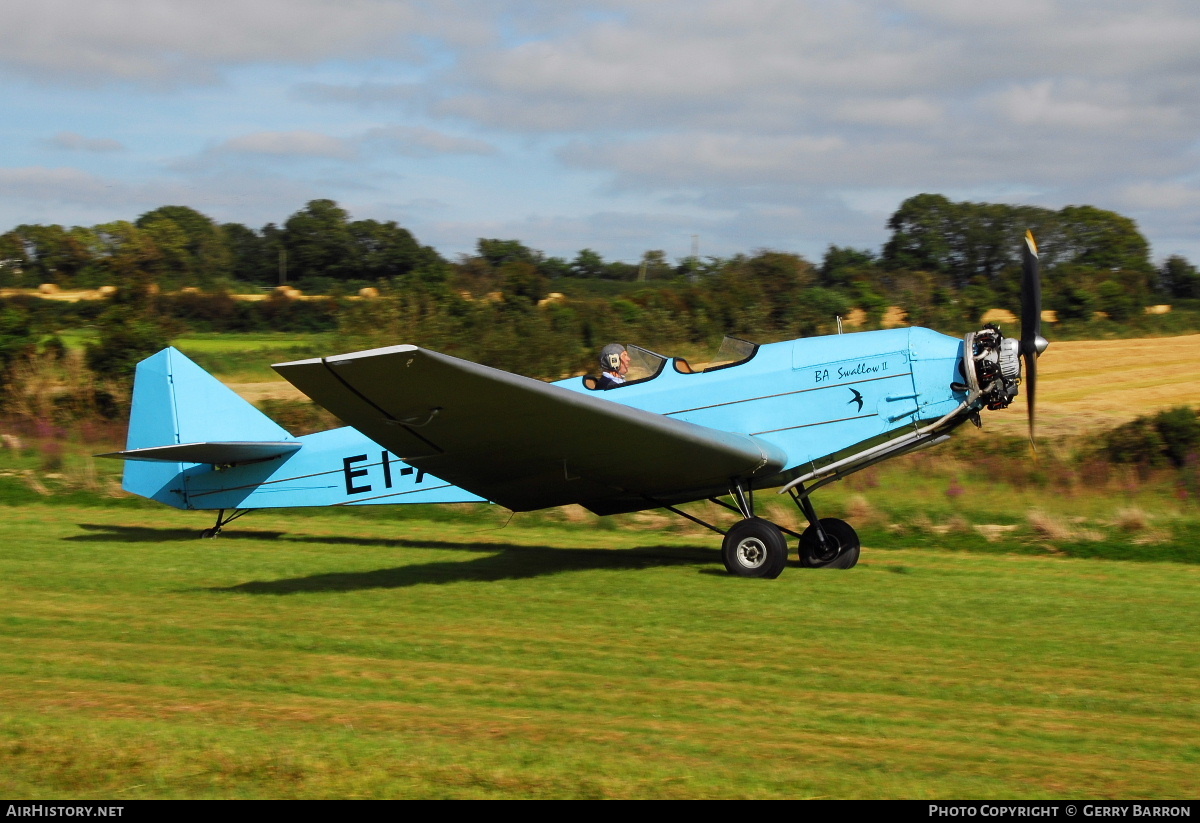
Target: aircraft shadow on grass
{"points": [[109, 533], [501, 561]]}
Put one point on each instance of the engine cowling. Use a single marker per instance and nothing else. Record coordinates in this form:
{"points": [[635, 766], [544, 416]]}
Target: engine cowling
{"points": [[992, 366]]}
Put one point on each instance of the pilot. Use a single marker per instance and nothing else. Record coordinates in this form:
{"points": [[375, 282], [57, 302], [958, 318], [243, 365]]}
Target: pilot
{"points": [[614, 362]]}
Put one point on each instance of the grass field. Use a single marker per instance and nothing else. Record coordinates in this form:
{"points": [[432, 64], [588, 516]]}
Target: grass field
{"points": [[334, 656]]}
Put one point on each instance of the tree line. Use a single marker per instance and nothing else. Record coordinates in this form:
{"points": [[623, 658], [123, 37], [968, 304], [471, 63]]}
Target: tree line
{"points": [[944, 265], [969, 249]]}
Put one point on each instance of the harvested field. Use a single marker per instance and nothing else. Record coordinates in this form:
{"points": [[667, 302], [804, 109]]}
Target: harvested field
{"points": [[1095, 384]]}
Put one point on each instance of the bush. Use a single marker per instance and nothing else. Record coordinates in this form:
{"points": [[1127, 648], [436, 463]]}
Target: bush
{"points": [[17, 338], [126, 338], [1167, 438]]}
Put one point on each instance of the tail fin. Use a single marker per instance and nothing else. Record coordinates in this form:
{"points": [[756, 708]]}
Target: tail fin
{"points": [[176, 402]]}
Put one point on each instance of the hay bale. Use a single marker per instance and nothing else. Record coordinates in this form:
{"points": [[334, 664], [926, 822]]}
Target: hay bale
{"points": [[998, 316], [1159, 309], [855, 318], [894, 317], [552, 298], [368, 292], [107, 291], [49, 288]]}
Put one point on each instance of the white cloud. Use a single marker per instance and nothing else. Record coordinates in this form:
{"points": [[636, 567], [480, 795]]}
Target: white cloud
{"points": [[289, 144], [91, 41], [664, 64], [1075, 105], [899, 112], [59, 185], [413, 141], [1161, 196], [364, 94], [693, 159], [284, 147], [43, 194], [71, 141]]}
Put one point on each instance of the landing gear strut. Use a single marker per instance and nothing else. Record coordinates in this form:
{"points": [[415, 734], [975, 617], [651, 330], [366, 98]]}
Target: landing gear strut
{"points": [[756, 547], [753, 547], [839, 551], [223, 521], [827, 543]]}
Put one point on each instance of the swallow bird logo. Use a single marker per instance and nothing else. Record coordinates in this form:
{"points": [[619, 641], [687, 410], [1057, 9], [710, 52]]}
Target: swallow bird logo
{"points": [[857, 398]]}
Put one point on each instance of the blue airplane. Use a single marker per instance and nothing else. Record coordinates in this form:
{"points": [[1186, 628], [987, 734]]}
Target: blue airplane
{"points": [[424, 427]]}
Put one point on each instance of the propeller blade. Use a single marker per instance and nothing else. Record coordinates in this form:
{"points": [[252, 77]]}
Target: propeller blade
{"points": [[1032, 342], [1031, 394], [1031, 293]]}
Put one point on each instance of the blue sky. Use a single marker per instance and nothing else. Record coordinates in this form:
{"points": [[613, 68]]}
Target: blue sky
{"points": [[612, 125]]}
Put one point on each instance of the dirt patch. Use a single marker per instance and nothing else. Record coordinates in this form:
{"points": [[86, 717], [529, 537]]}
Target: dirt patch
{"points": [[269, 390]]}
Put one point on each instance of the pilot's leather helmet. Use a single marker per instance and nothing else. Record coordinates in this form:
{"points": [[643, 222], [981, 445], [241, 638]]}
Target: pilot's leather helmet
{"points": [[610, 356]]}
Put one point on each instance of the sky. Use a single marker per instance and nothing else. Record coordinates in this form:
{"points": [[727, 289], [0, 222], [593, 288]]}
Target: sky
{"points": [[614, 125]]}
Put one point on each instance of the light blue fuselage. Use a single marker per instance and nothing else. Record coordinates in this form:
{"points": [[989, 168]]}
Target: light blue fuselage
{"points": [[812, 398]]}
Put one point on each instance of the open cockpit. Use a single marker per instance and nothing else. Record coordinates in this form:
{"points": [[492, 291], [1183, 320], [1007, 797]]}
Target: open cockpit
{"points": [[645, 365]]}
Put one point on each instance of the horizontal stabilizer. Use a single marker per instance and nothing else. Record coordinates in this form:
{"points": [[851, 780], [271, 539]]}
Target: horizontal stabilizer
{"points": [[183, 415], [219, 454]]}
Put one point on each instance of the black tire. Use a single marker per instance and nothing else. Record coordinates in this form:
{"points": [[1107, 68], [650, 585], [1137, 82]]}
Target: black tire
{"points": [[840, 552], [754, 548], [209, 533]]}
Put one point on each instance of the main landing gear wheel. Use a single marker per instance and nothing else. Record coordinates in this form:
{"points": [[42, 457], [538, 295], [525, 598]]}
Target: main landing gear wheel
{"points": [[841, 547], [754, 548]]}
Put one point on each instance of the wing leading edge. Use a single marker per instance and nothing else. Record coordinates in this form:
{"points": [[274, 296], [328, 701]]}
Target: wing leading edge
{"points": [[523, 443]]}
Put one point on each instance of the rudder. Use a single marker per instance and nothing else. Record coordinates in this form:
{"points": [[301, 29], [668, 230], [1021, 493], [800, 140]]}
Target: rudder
{"points": [[174, 402]]}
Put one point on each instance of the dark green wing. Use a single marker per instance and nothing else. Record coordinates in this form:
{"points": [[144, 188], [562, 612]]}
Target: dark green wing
{"points": [[523, 443]]}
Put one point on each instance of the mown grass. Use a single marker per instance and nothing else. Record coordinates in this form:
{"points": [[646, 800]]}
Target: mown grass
{"points": [[964, 497], [231, 356], [338, 656], [248, 357]]}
